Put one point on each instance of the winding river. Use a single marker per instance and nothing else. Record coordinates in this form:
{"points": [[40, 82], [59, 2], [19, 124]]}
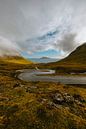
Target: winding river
{"points": [[36, 75]]}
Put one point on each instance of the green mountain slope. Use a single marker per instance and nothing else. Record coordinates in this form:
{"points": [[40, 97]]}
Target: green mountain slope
{"points": [[78, 56]]}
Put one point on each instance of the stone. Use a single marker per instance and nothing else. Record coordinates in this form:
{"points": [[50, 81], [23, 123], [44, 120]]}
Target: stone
{"points": [[58, 98], [78, 97], [16, 85], [68, 98]]}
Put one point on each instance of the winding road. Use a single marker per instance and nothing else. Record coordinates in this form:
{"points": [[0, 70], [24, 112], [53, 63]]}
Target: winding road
{"points": [[35, 75]]}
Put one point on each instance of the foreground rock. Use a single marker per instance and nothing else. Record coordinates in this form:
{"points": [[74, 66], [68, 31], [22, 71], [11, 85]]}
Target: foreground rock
{"points": [[59, 100]]}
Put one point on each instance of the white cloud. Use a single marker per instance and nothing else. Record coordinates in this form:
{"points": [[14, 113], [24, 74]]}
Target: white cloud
{"points": [[8, 48]]}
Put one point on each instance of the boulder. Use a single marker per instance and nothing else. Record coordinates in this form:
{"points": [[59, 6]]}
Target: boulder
{"points": [[58, 98], [68, 98]]}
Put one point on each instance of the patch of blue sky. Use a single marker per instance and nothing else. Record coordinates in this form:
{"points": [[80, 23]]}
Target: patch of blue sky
{"points": [[48, 37], [51, 34], [49, 53]]}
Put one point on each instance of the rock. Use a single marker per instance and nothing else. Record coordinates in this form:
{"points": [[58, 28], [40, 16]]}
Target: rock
{"points": [[78, 97], [63, 98], [16, 85], [58, 98], [68, 98]]}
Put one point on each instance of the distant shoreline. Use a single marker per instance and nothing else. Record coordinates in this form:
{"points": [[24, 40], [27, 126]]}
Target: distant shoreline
{"points": [[44, 60]]}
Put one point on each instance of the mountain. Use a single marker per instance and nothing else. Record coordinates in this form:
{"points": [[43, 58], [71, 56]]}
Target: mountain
{"points": [[45, 58], [14, 60], [78, 56]]}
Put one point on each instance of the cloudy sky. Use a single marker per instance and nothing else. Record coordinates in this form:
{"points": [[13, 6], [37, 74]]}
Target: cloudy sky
{"points": [[36, 28]]}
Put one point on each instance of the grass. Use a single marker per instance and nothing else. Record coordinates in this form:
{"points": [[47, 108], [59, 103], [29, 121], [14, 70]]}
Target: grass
{"points": [[16, 60], [29, 105]]}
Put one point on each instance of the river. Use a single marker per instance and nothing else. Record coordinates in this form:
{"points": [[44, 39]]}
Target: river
{"points": [[36, 75]]}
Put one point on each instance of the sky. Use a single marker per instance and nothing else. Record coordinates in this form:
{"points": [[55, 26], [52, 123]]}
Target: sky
{"points": [[36, 28]]}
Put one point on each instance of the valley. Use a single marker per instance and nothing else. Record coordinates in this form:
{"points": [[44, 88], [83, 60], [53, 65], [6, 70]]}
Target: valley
{"points": [[40, 104]]}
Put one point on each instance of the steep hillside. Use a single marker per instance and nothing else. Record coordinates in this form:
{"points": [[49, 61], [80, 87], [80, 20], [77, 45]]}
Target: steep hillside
{"points": [[77, 56]]}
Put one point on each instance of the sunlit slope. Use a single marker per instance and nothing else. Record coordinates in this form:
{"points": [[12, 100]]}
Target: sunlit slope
{"points": [[15, 59]]}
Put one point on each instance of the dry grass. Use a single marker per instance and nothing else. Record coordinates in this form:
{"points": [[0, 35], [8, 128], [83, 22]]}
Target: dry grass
{"points": [[27, 105], [16, 60]]}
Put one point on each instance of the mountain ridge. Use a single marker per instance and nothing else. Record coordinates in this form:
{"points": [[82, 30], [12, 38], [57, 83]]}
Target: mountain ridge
{"points": [[77, 56], [15, 59]]}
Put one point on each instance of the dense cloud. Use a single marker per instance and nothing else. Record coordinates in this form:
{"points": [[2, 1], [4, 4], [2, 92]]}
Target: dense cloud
{"points": [[8, 48], [26, 24], [67, 43]]}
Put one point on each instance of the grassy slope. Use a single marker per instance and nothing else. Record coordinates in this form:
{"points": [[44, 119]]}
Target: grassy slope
{"points": [[15, 59], [29, 105], [78, 56], [75, 62]]}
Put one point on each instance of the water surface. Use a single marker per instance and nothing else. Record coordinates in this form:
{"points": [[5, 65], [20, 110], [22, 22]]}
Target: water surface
{"points": [[35, 75]]}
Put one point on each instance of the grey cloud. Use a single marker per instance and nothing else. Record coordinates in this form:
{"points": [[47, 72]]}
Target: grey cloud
{"points": [[28, 19], [67, 43]]}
